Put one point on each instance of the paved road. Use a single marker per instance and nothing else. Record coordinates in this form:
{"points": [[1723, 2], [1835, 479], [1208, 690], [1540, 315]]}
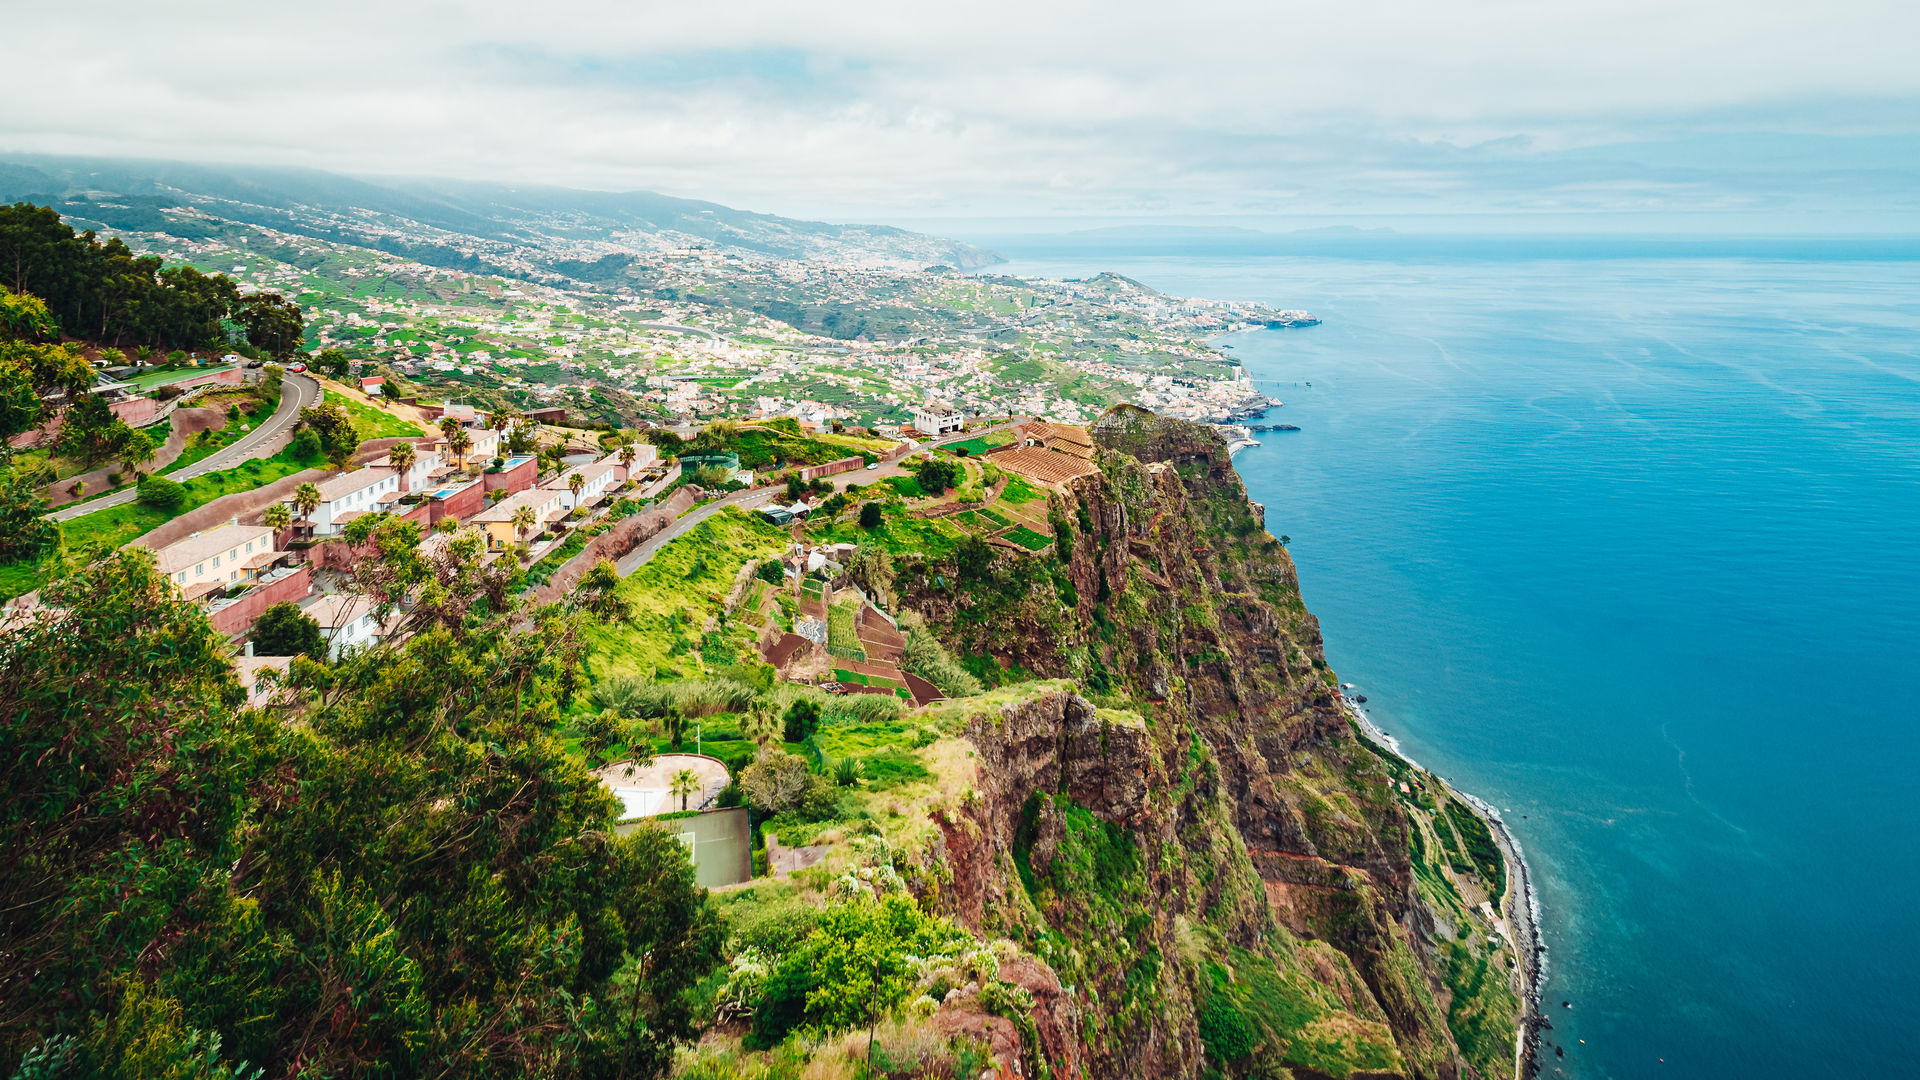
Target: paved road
{"points": [[751, 499], [296, 393]]}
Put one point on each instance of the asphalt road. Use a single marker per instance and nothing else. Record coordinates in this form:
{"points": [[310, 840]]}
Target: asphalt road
{"points": [[296, 393], [751, 499]]}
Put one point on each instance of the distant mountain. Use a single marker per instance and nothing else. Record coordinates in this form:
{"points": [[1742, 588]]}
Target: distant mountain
{"points": [[473, 226]]}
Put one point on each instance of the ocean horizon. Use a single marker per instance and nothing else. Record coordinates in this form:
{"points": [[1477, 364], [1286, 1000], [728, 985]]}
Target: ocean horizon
{"points": [[1619, 535]]}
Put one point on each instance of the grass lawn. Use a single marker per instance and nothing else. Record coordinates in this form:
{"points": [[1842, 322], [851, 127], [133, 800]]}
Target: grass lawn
{"points": [[117, 525], [898, 532], [372, 423], [1029, 539], [905, 486], [1019, 491], [980, 444], [675, 593], [19, 579], [196, 451]]}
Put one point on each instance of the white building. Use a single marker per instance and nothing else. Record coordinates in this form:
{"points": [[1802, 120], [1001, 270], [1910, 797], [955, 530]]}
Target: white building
{"points": [[217, 557], [347, 622], [937, 418], [347, 496], [427, 460], [596, 480]]}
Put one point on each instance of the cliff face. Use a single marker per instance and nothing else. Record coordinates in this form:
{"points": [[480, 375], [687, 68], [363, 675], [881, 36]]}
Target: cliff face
{"points": [[1221, 876]]}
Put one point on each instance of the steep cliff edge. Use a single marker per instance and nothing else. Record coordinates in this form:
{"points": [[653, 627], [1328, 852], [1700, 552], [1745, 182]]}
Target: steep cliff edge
{"points": [[1220, 872]]}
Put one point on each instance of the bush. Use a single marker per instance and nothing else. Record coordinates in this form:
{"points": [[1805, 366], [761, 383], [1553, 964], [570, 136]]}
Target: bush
{"points": [[870, 516], [162, 494], [305, 446], [802, 720], [1224, 1031], [773, 572]]}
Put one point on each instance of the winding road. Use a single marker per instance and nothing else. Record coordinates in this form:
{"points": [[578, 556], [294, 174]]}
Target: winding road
{"points": [[296, 392]]}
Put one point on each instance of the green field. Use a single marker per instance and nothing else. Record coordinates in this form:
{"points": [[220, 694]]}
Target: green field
{"points": [[372, 423], [1018, 491], [980, 444], [1029, 539], [674, 595]]}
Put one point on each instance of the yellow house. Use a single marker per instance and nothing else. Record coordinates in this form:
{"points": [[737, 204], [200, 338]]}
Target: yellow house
{"points": [[497, 519], [217, 558]]}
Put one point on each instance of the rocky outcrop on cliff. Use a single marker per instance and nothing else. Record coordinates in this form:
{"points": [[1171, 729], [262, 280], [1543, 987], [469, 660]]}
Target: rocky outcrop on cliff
{"points": [[1217, 872]]}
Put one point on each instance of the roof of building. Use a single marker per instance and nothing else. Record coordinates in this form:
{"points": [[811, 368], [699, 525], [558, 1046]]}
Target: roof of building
{"points": [[335, 610], [937, 408], [182, 554], [587, 473], [339, 487]]}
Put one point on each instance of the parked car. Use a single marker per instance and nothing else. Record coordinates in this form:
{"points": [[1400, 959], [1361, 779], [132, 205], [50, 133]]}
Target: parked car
{"points": [[873, 466], [296, 368], [251, 364]]}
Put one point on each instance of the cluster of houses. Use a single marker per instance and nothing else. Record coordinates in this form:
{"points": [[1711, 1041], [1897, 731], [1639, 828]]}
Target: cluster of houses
{"points": [[238, 570]]}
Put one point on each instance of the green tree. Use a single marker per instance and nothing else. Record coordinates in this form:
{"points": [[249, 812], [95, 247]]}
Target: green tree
{"points": [[574, 483], [338, 437], [333, 362], [276, 517], [415, 880], [285, 630], [307, 499], [459, 444], [25, 536], [273, 324], [870, 515], [523, 519], [136, 449], [403, 455], [683, 784]]}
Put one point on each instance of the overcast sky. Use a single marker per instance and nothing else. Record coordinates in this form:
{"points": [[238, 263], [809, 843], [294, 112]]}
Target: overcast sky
{"points": [[1747, 110]]}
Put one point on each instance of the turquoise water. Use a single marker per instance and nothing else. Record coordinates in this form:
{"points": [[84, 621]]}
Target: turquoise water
{"points": [[1626, 539]]}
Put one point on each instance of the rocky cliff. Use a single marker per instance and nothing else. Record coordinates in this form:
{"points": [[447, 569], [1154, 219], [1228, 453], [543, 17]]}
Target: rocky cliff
{"points": [[1215, 873]]}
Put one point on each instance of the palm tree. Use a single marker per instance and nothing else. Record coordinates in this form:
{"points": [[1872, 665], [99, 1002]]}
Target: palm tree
{"points": [[448, 425], [683, 784], [524, 519], [306, 499], [574, 483], [277, 517], [499, 419], [459, 443], [403, 456], [627, 453]]}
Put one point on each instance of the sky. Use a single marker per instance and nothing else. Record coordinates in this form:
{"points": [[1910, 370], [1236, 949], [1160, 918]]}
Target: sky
{"points": [[1745, 113]]}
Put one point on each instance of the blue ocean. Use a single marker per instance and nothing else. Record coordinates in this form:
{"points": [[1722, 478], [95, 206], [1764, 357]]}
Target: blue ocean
{"points": [[1624, 536]]}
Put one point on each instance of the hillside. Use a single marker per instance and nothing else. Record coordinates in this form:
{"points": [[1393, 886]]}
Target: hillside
{"points": [[529, 232]]}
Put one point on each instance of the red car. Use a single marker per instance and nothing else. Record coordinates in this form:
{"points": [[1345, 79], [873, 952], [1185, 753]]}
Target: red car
{"points": [[296, 367]]}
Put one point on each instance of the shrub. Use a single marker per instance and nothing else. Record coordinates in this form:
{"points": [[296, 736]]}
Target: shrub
{"points": [[305, 446], [802, 720], [773, 572], [870, 516], [162, 494], [1225, 1031]]}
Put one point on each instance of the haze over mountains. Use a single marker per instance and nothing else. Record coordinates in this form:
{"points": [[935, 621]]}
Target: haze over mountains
{"points": [[492, 228]]}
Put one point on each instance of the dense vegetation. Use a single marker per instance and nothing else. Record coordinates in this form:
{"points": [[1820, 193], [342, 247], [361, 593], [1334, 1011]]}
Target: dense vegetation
{"points": [[415, 881], [103, 291]]}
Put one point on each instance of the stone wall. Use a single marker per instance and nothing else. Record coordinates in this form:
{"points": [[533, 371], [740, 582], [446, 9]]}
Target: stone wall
{"points": [[628, 533], [238, 616]]}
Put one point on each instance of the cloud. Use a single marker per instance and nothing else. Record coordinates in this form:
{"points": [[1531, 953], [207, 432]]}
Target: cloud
{"points": [[865, 109]]}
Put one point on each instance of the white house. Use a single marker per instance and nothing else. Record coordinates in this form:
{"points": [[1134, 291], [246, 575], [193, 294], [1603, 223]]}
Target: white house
{"points": [[937, 418], [428, 459], [347, 622], [217, 557], [347, 496], [597, 479]]}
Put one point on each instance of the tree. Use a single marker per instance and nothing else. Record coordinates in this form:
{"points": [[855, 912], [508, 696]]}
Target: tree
{"points": [[285, 630], [390, 390], [277, 517], [574, 483], [598, 734], [802, 720], [459, 443], [628, 452], [776, 781], [89, 431], [423, 841], [333, 362], [307, 499], [796, 488], [273, 324], [338, 437], [973, 557], [936, 475], [683, 784], [523, 519], [403, 455], [25, 536], [136, 449], [870, 515]]}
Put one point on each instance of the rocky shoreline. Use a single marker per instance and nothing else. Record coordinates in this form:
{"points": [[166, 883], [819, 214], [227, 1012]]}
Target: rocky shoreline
{"points": [[1521, 906]]}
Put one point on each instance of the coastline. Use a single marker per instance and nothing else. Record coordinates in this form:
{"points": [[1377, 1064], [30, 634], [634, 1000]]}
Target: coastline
{"points": [[1521, 904]]}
